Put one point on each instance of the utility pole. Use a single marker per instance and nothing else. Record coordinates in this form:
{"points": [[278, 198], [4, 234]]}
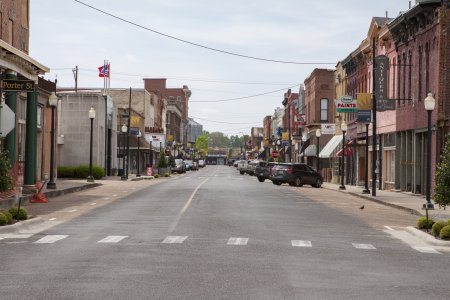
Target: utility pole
{"points": [[75, 75]]}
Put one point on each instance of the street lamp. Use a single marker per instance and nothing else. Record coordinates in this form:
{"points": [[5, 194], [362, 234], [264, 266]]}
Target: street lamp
{"points": [[124, 130], [429, 103], [344, 129], [52, 101], [92, 117], [302, 157], [366, 181], [138, 174], [318, 134]]}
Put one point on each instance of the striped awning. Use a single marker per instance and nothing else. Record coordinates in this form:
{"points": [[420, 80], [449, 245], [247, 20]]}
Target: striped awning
{"points": [[331, 146], [311, 150]]}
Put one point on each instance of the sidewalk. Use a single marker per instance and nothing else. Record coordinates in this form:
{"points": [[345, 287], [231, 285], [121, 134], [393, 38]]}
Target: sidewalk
{"points": [[400, 200]]}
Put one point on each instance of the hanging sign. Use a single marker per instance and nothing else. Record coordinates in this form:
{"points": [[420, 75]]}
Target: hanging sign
{"points": [[346, 104], [328, 128], [383, 103]]}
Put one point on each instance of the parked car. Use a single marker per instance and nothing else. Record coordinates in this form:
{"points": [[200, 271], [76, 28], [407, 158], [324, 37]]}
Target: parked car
{"points": [[252, 166], [235, 163], [230, 162], [263, 170], [180, 166], [242, 166], [296, 174], [188, 165], [201, 163]]}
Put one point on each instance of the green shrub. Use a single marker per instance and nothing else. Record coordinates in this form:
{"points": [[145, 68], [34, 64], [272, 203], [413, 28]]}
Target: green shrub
{"points": [[156, 175], [66, 172], [81, 171], [6, 182], [8, 216], [166, 175], [162, 162], [422, 223], [441, 194], [21, 213], [445, 233], [436, 229], [3, 219]]}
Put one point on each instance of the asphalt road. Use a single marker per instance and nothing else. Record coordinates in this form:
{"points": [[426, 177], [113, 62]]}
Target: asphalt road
{"points": [[215, 234]]}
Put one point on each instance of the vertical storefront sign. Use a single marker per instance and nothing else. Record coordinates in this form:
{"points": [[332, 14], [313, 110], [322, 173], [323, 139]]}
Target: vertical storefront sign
{"points": [[383, 103]]}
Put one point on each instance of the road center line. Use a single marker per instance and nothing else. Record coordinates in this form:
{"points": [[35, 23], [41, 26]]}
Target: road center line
{"points": [[185, 207]]}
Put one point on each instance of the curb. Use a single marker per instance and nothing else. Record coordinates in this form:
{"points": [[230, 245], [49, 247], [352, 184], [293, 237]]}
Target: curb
{"points": [[369, 198], [427, 237], [17, 227]]}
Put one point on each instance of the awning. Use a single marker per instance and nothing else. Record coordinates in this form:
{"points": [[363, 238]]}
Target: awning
{"points": [[304, 146], [348, 150], [311, 150], [330, 146]]}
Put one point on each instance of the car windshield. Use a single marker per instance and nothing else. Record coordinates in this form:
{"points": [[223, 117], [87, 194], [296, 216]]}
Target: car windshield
{"points": [[178, 161]]}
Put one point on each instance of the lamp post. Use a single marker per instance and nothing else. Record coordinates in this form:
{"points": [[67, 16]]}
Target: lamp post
{"points": [[366, 181], [138, 174], [124, 130], [302, 157], [344, 129], [318, 134], [52, 101], [92, 117], [429, 103]]}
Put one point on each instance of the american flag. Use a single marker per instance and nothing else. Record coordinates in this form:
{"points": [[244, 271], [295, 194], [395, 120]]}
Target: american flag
{"points": [[103, 71]]}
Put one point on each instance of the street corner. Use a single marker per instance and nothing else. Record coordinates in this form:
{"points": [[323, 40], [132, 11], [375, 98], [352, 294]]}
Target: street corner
{"points": [[428, 237], [20, 226]]}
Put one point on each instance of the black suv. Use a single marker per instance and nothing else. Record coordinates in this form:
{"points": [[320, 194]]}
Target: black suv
{"points": [[262, 170], [295, 174]]}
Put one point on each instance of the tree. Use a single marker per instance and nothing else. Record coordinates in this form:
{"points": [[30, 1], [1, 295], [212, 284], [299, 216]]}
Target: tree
{"points": [[442, 179], [218, 139], [202, 144], [162, 163]]}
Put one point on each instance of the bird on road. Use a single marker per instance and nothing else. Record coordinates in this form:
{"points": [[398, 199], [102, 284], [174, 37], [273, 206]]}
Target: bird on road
{"points": [[362, 207]]}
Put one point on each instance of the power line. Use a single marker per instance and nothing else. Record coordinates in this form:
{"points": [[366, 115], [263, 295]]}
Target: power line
{"points": [[247, 97], [199, 45], [194, 117]]}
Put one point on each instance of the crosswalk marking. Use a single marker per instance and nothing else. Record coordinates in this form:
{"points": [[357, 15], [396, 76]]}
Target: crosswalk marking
{"points": [[299, 243], [174, 239], [364, 246], [113, 239], [50, 239], [237, 241], [426, 250]]}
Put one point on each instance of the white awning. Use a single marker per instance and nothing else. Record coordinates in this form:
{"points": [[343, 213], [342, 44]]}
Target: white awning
{"points": [[311, 150], [330, 146]]}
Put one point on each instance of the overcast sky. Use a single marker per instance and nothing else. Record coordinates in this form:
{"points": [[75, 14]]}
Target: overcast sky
{"points": [[65, 33]]}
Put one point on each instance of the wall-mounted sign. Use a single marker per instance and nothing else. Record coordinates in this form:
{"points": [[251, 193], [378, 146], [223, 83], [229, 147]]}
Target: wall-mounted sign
{"points": [[381, 66], [328, 128], [14, 85], [364, 116], [346, 104], [285, 136], [300, 119]]}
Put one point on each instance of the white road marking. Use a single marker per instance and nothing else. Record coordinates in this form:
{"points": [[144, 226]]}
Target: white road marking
{"points": [[113, 239], [237, 241], [364, 246], [299, 243], [389, 228], [174, 239], [107, 198], [17, 242], [52, 219], [1, 238], [93, 203], [426, 250], [16, 236], [115, 195], [125, 192], [73, 210], [185, 207], [50, 239]]}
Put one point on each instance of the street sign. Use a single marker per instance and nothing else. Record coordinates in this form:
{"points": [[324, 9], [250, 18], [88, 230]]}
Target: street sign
{"points": [[346, 104], [11, 85], [328, 128], [8, 120]]}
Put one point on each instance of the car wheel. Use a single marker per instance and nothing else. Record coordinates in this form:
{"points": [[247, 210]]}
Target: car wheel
{"points": [[318, 183], [260, 179], [241, 172], [298, 182]]}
